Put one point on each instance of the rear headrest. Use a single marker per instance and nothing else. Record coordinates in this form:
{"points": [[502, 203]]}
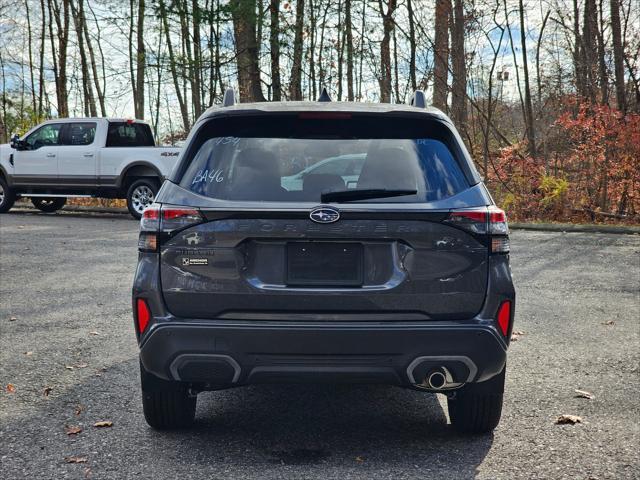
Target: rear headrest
{"points": [[259, 159], [390, 168]]}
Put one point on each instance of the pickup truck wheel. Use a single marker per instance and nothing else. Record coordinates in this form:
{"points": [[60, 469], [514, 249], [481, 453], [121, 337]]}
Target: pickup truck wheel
{"points": [[48, 204], [140, 195], [166, 404], [477, 407], [7, 197]]}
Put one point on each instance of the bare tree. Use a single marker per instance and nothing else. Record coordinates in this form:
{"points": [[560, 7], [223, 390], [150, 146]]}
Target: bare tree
{"points": [[385, 50], [295, 87], [441, 54], [458, 67], [244, 17], [618, 56], [274, 44]]}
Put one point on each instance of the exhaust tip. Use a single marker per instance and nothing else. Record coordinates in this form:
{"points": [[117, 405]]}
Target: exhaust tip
{"points": [[436, 380]]}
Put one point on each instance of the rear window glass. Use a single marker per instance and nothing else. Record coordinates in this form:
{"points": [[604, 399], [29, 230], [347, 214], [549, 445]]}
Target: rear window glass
{"points": [[80, 133], [290, 169], [124, 134]]}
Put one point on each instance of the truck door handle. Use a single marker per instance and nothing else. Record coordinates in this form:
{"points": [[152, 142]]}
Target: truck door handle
{"points": [[51, 155], [88, 155]]}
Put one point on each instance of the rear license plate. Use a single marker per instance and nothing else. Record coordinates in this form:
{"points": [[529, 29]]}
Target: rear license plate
{"points": [[324, 264]]}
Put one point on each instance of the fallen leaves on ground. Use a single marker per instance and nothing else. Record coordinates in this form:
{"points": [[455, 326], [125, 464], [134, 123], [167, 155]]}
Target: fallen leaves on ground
{"points": [[516, 334], [103, 424], [81, 365], [75, 459], [47, 390], [609, 322], [568, 420], [583, 394], [11, 388], [72, 430], [79, 409]]}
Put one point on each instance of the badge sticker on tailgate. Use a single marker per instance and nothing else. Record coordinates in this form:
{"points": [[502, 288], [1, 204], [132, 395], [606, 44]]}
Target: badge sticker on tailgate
{"points": [[186, 261]]}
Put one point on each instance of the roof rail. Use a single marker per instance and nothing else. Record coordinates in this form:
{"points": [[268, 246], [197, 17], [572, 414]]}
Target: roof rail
{"points": [[324, 95], [229, 98], [418, 99]]}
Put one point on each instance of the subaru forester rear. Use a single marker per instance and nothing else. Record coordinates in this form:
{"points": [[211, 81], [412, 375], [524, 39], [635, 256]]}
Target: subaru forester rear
{"points": [[387, 264]]}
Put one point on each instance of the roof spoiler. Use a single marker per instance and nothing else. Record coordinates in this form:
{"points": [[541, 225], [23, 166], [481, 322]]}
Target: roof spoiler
{"points": [[324, 95], [229, 98], [418, 99]]}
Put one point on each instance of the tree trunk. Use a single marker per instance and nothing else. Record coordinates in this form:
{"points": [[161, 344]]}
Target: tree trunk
{"points": [[618, 56], [197, 61], [295, 89], [274, 45], [30, 52], [87, 89], [348, 32], [94, 66], [61, 18], [388, 26], [412, 46], [172, 66], [243, 13], [458, 68], [140, 62], [441, 54], [589, 35], [528, 107], [43, 34]]}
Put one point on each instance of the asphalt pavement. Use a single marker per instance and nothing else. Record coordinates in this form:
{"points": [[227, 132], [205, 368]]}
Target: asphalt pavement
{"points": [[68, 359]]}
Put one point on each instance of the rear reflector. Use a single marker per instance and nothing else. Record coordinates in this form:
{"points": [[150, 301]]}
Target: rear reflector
{"points": [[504, 317], [148, 242], [142, 315], [500, 244]]}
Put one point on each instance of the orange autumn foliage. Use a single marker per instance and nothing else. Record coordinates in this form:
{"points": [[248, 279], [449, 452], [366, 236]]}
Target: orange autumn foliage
{"points": [[590, 173]]}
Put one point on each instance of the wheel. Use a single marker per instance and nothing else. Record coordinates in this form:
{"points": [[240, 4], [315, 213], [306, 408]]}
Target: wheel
{"points": [[165, 404], [477, 407], [7, 197], [48, 204], [140, 195]]}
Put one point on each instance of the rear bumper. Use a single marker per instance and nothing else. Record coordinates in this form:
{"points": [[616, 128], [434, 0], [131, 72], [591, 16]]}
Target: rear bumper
{"points": [[224, 354]]}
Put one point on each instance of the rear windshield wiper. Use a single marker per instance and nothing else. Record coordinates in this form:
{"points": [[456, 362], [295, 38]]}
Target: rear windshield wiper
{"points": [[364, 194]]}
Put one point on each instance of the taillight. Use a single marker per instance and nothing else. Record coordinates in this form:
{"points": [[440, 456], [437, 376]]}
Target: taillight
{"points": [[143, 315], [159, 222], [489, 221], [504, 317]]}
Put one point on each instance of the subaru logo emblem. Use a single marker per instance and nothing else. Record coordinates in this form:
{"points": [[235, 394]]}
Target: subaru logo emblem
{"points": [[324, 215]]}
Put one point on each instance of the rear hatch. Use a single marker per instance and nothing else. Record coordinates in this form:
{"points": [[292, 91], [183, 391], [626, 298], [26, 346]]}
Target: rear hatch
{"points": [[367, 235]]}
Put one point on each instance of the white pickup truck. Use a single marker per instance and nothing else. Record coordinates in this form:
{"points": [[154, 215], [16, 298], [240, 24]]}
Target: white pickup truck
{"points": [[84, 157]]}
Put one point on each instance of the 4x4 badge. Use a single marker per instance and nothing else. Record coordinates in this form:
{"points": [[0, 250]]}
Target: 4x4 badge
{"points": [[324, 215]]}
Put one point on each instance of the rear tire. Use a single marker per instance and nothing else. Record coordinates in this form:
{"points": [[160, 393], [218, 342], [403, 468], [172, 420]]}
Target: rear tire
{"points": [[477, 407], [48, 204], [166, 405], [140, 195], [7, 197]]}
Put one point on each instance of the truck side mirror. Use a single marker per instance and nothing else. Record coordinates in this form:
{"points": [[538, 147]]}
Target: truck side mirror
{"points": [[16, 143]]}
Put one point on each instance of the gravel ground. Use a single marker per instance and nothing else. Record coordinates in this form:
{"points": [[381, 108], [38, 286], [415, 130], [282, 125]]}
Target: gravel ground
{"points": [[67, 347]]}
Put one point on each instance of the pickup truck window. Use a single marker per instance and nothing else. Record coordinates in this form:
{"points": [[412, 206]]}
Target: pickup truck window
{"points": [[79, 133], [45, 136], [125, 134]]}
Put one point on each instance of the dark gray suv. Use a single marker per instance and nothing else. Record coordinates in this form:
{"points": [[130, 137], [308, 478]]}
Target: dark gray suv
{"points": [[391, 270]]}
